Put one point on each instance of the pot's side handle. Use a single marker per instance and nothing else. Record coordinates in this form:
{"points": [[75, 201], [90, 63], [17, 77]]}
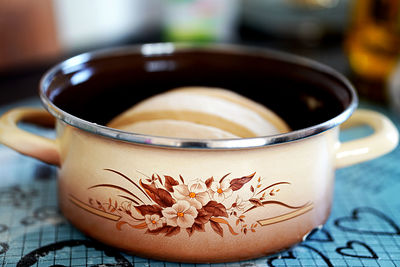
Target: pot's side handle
{"points": [[44, 149], [383, 140]]}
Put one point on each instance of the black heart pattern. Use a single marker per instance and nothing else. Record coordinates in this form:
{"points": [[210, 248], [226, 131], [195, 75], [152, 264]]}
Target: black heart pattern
{"points": [[290, 255], [358, 221], [3, 228], [33, 257], [320, 235], [282, 256], [3, 247], [357, 249]]}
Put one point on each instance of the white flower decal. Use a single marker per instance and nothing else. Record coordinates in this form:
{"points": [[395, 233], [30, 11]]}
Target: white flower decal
{"points": [[181, 214], [195, 193], [220, 191], [242, 204], [154, 221]]}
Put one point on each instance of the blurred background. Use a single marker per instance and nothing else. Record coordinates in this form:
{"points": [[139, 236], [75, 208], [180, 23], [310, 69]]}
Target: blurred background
{"points": [[359, 38]]}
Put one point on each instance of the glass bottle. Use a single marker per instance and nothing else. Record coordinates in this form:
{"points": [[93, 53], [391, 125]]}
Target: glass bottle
{"points": [[373, 45]]}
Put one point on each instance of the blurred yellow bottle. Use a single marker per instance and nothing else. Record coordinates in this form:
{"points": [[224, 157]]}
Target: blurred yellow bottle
{"points": [[373, 44]]}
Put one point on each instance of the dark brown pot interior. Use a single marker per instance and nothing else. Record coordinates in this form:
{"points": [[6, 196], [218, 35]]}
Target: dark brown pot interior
{"points": [[302, 93]]}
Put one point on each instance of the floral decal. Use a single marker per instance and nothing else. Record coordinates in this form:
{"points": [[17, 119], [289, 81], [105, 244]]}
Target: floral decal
{"points": [[154, 221], [221, 190], [165, 205], [196, 194]]}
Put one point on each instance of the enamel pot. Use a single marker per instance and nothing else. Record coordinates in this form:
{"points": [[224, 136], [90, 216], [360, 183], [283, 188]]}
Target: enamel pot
{"points": [[191, 200]]}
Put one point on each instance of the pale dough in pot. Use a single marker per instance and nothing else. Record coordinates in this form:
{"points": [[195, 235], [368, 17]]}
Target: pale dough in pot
{"points": [[201, 113]]}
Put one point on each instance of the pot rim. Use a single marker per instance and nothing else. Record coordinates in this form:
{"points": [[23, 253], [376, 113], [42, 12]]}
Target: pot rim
{"points": [[157, 49]]}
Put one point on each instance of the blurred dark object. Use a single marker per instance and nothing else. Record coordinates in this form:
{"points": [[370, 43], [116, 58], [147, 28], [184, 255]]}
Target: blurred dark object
{"points": [[306, 22], [28, 33], [21, 83], [309, 28], [373, 46]]}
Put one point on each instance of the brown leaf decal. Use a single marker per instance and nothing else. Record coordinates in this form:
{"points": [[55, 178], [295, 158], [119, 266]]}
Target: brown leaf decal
{"points": [[199, 227], [172, 231], [149, 209], [128, 212], [215, 209], [190, 231], [149, 189], [170, 182], [224, 177], [256, 202], [238, 183], [209, 181], [167, 230], [164, 198], [180, 177], [161, 196], [196, 227], [160, 230], [217, 228], [202, 216], [155, 177]]}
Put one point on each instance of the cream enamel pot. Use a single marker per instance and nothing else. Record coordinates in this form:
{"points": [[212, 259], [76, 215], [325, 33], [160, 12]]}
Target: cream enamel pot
{"points": [[196, 200]]}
